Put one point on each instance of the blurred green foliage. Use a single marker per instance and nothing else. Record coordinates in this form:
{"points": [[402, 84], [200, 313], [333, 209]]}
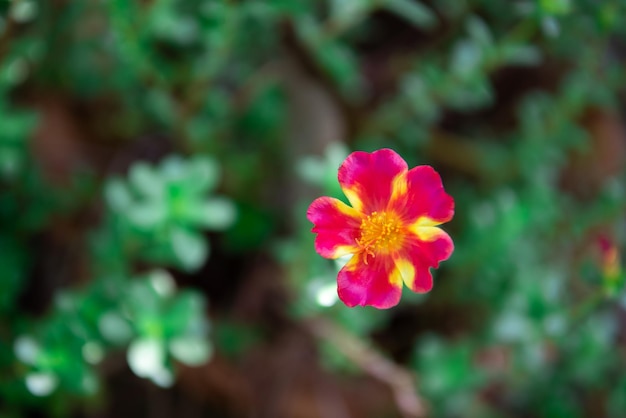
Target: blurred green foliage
{"points": [[160, 210], [518, 104]]}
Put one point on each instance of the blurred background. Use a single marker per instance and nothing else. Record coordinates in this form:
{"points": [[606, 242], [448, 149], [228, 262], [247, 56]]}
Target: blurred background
{"points": [[157, 158]]}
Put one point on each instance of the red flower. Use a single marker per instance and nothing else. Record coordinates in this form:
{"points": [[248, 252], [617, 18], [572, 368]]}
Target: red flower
{"points": [[391, 228]]}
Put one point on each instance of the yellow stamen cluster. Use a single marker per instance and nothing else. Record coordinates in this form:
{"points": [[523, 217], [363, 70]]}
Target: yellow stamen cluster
{"points": [[380, 232]]}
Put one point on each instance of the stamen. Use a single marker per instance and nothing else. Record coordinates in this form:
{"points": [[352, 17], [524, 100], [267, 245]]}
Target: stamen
{"points": [[379, 232]]}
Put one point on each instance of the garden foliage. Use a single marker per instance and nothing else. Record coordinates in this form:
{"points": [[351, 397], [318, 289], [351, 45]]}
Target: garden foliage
{"points": [[157, 158]]}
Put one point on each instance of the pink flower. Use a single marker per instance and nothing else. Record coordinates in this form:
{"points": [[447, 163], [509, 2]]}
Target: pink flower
{"points": [[610, 259], [391, 228]]}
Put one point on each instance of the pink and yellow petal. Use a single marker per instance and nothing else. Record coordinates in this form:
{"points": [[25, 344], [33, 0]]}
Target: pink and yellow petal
{"points": [[336, 225], [424, 249], [415, 273], [399, 190], [421, 196], [367, 178], [434, 243], [377, 283]]}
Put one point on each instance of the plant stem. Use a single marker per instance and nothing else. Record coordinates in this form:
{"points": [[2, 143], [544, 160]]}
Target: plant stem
{"points": [[400, 381]]}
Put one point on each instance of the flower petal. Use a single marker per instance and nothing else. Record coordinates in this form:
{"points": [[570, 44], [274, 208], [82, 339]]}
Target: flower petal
{"points": [[415, 273], [429, 246], [366, 179], [420, 196], [377, 283], [336, 225]]}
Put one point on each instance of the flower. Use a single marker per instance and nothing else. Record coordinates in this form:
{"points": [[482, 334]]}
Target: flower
{"points": [[390, 230], [609, 259]]}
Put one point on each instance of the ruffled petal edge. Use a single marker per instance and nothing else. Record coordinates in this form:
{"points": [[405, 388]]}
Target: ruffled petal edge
{"points": [[377, 283], [336, 225]]}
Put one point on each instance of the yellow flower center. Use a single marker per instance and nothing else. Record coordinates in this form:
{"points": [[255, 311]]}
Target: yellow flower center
{"points": [[381, 232]]}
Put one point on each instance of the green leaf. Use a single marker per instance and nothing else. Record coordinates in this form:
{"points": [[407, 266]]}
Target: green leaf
{"points": [[93, 352], [185, 315], [347, 12], [162, 283], [174, 27], [203, 174], [190, 248], [479, 31], [11, 162], [191, 350], [216, 213], [146, 357], [147, 215], [117, 195], [312, 170], [413, 11], [555, 7], [114, 328], [146, 180], [466, 58], [41, 383], [173, 169], [519, 54], [24, 10], [27, 349]]}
